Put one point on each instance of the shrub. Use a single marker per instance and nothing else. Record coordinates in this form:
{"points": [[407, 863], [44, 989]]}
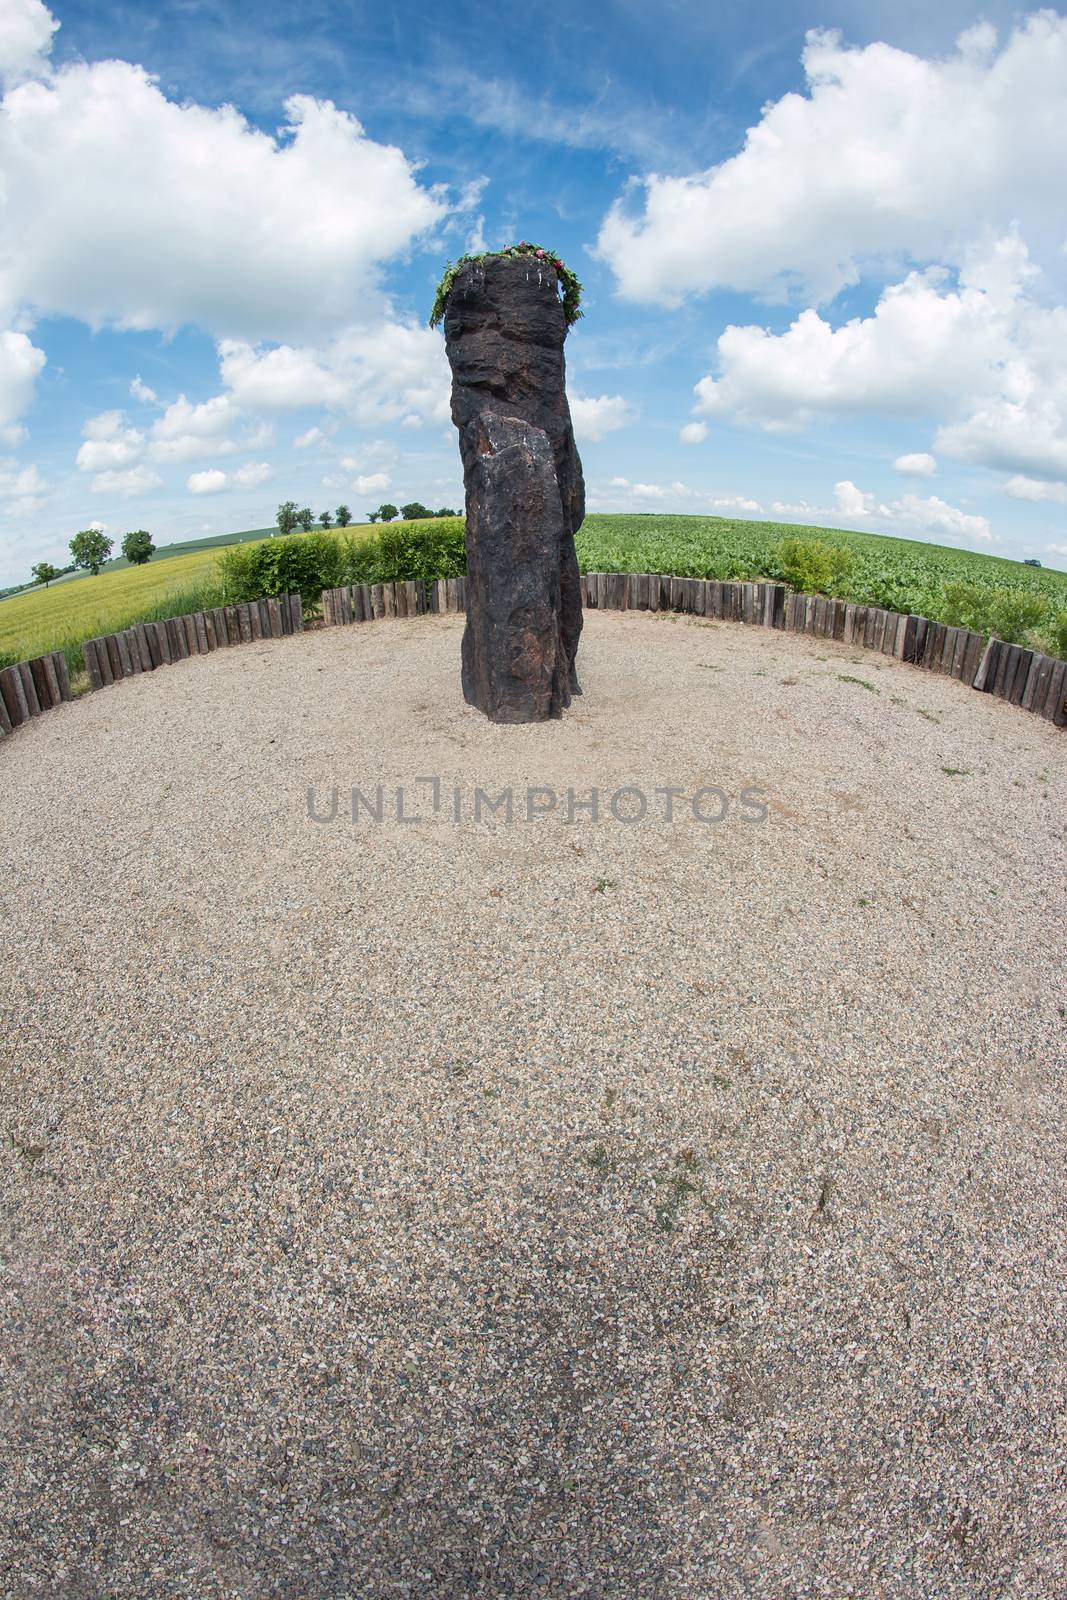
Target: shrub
{"points": [[403, 551], [811, 566], [303, 564], [1012, 614], [1054, 635]]}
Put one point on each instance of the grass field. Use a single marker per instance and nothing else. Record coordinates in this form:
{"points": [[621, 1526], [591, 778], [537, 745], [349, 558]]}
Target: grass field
{"points": [[900, 574], [180, 577]]}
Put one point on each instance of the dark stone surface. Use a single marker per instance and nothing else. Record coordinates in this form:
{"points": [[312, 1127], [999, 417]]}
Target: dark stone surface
{"points": [[525, 496]]}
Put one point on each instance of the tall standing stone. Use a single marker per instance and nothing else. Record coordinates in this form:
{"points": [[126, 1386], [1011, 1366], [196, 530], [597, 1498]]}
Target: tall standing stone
{"points": [[504, 330]]}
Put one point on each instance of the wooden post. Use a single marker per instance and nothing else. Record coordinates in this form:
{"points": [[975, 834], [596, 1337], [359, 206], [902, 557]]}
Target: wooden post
{"points": [[296, 611], [274, 617], [62, 674], [14, 696], [1053, 708], [122, 645], [987, 667], [6, 724]]}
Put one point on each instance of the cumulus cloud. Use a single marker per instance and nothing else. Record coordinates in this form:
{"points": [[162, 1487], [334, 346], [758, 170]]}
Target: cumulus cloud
{"points": [[371, 482], [694, 433], [20, 362], [919, 464], [211, 481], [304, 441], [26, 29], [376, 373], [984, 355], [593, 417], [175, 196], [910, 515], [886, 156], [927, 347], [252, 475], [109, 442], [22, 489], [1021, 488], [141, 391], [126, 483], [188, 432]]}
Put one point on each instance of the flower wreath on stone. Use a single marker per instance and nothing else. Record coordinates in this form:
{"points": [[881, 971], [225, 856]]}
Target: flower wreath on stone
{"points": [[570, 287]]}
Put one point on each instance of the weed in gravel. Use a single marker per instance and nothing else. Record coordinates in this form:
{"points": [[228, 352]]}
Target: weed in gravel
{"points": [[681, 1185], [844, 677]]}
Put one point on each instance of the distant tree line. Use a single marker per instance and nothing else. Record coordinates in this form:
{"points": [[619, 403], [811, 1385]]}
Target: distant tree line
{"points": [[290, 517]]}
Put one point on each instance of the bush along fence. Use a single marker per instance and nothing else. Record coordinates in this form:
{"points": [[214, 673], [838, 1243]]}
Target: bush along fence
{"points": [[31, 687], [1025, 678]]}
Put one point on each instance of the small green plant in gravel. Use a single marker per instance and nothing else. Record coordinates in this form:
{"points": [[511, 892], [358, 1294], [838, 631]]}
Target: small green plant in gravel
{"points": [[680, 1185], [956, 772], [603, 884], [600, 1161], [844, 677]]}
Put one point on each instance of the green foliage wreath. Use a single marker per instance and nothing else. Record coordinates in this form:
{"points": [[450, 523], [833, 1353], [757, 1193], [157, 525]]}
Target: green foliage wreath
{"points": [[569, 284]]}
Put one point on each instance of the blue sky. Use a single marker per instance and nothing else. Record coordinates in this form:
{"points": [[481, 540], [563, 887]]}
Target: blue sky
{"points": [[823, 249]]}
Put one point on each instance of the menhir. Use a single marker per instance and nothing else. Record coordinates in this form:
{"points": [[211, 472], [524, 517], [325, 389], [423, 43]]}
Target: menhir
{"points": [[504, 331]]}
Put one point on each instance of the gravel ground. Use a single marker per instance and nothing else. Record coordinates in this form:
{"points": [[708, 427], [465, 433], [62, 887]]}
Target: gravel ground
{"points": [[667, 1209]]}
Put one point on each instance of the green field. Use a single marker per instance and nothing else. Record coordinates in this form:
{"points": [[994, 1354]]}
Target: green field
{"points": [[179, 577], [899, 574]]}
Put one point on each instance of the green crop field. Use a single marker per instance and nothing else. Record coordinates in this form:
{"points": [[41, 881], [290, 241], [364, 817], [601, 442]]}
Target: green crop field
{"points": [[900, 574]]}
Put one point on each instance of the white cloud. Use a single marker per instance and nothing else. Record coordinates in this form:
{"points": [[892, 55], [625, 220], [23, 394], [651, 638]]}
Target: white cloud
{"points": [[909, 516], [735, 502], [208, 482], [371, 482], [593, 417], [376, 373], [142, 392], [187, 432], [694, 433], [304, 441], [126, 483], [20, 362], [108, 443], [176, 197], [886, 156], [1024, 431], [620, 492], [26, 29], [1035, 489], [928, 347], [22, 489], [986, 357], [919, 464], [252, 475]]}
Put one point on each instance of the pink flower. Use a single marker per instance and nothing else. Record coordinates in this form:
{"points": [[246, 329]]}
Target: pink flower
{"points": [[540, 254]]}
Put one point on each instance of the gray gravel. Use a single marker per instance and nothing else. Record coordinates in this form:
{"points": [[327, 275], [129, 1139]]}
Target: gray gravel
{"points": [[663, 1210]]}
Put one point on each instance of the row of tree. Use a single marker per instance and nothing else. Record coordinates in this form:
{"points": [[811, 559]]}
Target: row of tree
{"points": [[289, 518], [91, 548]]}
